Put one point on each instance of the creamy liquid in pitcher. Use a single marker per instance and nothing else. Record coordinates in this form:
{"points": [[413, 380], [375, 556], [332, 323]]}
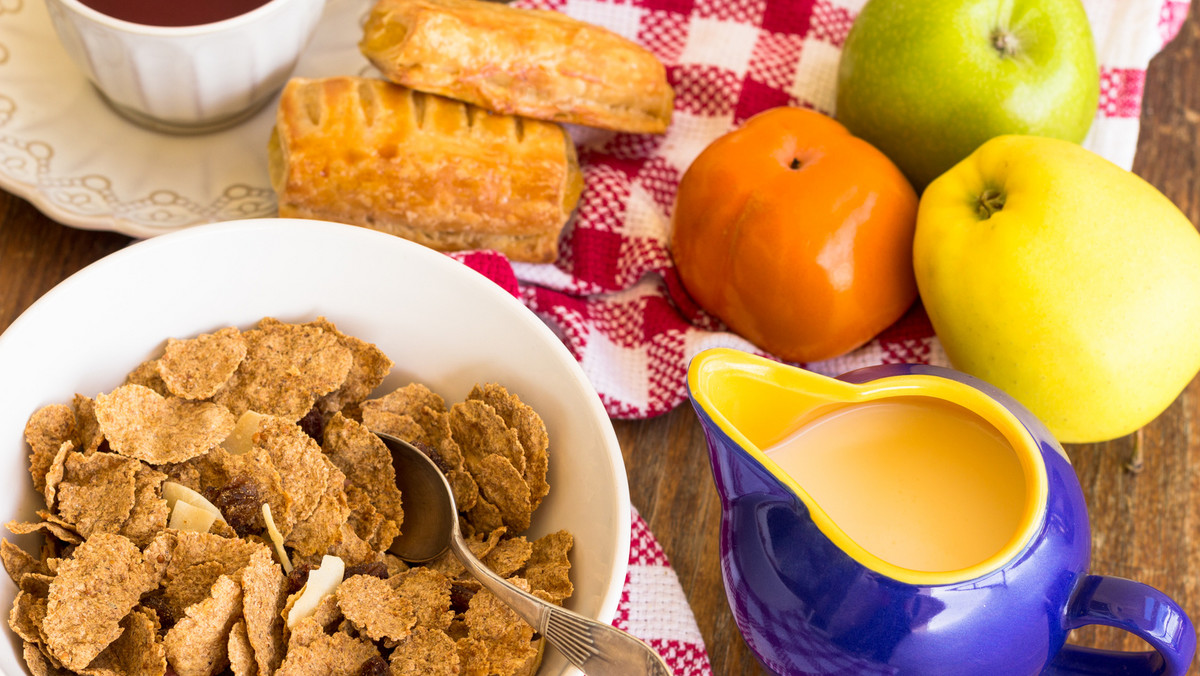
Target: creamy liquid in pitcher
{"points": [[919, 482]]}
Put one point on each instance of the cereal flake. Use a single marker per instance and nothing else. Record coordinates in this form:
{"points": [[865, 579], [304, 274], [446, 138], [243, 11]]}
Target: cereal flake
{"points": [[425, 652], [89, 597], [480, 432], [501, 485], [375, 609], [548, 568], [312, 652], [97, 492], [140, 423], [531, 430], [241, 655], [368, 367], [196, 368], [286, 367], [18, 562], [199, 642], [46, 431], [264, 593], [367, 465], [149, 513], [502, 640], [137, 651]]}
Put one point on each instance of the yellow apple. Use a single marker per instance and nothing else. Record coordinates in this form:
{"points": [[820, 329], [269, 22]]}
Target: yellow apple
{"points": [[1064, 280]]}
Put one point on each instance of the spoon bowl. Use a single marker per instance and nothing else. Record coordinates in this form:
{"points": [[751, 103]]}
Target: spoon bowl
{"points": [[430, 514], [431, 526]]}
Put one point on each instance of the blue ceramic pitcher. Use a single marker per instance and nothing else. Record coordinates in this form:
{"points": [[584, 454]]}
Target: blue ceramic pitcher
{"points": [[908, 520]]}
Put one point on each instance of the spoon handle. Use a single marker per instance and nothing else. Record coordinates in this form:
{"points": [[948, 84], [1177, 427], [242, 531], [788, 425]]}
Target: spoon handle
{"points": [[597, 648]]}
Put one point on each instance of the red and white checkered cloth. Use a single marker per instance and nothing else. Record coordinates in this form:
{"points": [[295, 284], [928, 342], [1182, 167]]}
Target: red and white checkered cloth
{"points": [[613, 295]]}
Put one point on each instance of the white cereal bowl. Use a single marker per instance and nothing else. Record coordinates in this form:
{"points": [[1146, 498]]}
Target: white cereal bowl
{"points": [[441, 322], [187, 79]]}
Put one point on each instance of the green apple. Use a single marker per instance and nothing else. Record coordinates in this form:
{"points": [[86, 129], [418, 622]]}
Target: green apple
{"points": [[1065, 281], [928, 81]]}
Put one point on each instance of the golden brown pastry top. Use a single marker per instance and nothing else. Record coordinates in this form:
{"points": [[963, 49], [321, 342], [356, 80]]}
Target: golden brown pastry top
{"points": [[434, 170], [536, 63]]}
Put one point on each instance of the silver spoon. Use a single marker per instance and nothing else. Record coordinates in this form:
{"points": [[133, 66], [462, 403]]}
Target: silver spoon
{"points": [[431, 525]]}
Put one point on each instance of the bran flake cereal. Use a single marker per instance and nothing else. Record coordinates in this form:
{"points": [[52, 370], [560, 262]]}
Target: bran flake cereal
{"points": [[198, 643], [547, 566], [375, 609], [28, 614], [241, 654], [39, 664], [138, 650], [497, 640], [18, 562], [146, 375], [140, 423], [60, 532], [312, 652], [509, 556], [149, 514], [46, 431], [287, 366], [531, 432], [481, 431], [195, 368], [368, 367], [97, 492], [501, 485], [264, 593], [87, 428], [54, 474], [121, 587], [415, 414], [425, 652], [429, 591], [367, 465], [89, 597]]}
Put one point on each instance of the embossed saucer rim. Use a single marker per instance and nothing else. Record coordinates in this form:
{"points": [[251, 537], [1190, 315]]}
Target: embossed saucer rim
{"points": [[83, 165]]}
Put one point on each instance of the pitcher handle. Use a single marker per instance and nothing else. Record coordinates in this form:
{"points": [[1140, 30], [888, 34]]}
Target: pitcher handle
{"points": [[1137, 608]]}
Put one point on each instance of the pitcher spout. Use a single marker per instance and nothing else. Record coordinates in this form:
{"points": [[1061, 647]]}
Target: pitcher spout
{"points": [[922, 478]]}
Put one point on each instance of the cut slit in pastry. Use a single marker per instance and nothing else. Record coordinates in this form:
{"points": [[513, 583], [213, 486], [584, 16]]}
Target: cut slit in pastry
{"points": [[435, 171]]}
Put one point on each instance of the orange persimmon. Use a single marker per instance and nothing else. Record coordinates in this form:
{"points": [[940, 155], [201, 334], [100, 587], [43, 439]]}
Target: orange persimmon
{"points": [[797, 235]]}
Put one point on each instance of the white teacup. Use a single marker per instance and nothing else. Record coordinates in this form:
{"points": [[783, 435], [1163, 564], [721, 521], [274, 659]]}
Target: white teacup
{"points": [[187, 79]]}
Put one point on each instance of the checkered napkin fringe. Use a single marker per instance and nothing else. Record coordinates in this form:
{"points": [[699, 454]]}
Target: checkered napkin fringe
{"points": [[614, 296]]}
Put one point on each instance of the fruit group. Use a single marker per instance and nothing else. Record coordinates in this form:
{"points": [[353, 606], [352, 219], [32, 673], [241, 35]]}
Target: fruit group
{"points": [[928, 81], [1064, 280], [797, 235]]}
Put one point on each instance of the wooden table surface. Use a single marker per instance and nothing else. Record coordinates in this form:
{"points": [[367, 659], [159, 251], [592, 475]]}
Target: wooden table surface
{"points": [[1143, 490]]}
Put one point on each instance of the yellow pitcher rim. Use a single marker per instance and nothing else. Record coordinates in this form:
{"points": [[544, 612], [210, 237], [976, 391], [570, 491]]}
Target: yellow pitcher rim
{"points": [[1023, 442]]}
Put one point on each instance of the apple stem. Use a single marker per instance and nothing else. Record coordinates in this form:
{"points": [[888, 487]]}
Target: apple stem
{"points": [[990, 202], [1136, 462], [1005, 42]]}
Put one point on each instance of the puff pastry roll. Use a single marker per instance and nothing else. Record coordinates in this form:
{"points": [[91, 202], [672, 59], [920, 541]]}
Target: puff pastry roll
{"points": [[530, 62], [439, 172]]}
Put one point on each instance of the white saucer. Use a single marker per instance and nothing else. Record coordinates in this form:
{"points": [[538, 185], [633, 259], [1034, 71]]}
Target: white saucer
{"points": [[63, 149]]}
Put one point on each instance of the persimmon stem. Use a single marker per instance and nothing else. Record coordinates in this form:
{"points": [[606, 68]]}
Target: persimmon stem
{"points": [[795, 164]]}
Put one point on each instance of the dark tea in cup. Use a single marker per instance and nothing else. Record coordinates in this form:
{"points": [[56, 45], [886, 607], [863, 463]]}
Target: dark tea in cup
{"points": [[160, 13]]}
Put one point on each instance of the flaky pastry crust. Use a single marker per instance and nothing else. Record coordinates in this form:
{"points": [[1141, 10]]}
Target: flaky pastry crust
{"points": [[438, 172], [536, 63]]}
